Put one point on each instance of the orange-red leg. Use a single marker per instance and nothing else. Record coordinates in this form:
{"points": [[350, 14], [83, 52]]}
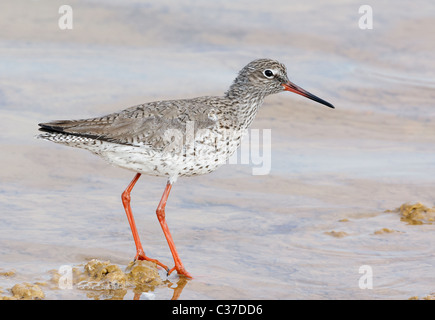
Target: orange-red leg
{"points": [[140, 254], [161, 216]]}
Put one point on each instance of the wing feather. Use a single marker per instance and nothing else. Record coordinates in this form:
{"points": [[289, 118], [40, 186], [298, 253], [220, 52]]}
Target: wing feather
{"points": [[143, 124]]}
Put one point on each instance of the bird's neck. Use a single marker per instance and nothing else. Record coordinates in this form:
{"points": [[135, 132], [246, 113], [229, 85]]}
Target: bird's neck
{"points": [[245, 105]]}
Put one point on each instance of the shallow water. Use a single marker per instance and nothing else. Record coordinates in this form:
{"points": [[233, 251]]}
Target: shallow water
{"points": [[242, 236]]}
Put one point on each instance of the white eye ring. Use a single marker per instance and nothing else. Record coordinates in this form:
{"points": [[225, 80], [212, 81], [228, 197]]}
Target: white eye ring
{"points": [[269, 74]]}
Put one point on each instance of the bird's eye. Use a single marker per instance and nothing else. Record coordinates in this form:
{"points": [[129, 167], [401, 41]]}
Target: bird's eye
{"points": [[268, 73]]}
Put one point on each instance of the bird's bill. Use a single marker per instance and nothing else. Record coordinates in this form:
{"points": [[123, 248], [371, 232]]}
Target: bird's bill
{"points": [[294, 88]]}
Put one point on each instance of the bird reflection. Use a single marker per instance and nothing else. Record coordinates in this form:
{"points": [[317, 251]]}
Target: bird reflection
{"points": [[178, 289]]}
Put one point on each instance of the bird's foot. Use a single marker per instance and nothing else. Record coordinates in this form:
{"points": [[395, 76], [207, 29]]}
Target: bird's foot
{"points": [[140, 255], [180, 271]]}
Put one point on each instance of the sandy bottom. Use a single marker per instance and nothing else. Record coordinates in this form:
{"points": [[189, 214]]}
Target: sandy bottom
{"points": [[346, 210]]}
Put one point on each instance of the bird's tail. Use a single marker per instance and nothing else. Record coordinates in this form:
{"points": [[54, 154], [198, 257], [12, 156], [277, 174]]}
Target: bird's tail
{"points": [[55, 131]]}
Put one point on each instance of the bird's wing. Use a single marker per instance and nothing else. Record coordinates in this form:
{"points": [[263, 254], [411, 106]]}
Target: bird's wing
{"points": [[152, 124]]}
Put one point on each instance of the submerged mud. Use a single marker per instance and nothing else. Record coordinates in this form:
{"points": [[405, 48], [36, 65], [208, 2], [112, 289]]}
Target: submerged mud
{"points": [[415, 214]]}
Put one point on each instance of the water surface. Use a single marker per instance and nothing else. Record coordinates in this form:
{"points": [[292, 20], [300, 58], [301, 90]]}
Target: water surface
{"points": [[242, 236]]}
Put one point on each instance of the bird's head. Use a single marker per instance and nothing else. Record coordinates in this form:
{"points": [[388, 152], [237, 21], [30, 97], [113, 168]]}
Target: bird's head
{"points": [[264, 77]]}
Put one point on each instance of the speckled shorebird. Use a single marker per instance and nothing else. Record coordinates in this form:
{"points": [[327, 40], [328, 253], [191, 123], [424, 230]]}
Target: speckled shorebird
{"points": [[176, 138]]}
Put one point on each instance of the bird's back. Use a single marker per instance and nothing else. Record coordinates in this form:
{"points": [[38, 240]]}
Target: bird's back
{"points": [[141, 125], [179, 135]]}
